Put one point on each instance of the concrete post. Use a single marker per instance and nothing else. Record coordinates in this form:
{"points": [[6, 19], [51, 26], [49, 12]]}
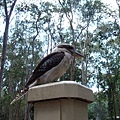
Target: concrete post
{"points": [[66, 100]]}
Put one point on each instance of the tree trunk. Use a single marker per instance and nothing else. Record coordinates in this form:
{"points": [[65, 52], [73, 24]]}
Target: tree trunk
{"points": [[83, 74], [5, 39], [85, 61]]}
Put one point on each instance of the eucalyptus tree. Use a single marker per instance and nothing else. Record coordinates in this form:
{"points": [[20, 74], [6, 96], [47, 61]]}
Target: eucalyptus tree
{"points": [[8, 7], [22, 55], [81, 16], [107, 48]]}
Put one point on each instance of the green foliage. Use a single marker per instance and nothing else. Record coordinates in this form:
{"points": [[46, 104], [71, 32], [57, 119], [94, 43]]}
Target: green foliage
{"points": [[98, 110], [90, 8], [107, 46]]}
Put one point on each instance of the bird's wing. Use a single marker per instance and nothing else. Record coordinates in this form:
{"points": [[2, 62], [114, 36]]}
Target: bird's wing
{"points": [[46, 64]]}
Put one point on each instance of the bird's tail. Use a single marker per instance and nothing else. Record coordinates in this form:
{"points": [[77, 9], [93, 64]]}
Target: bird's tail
{"points": [[20, 95]]}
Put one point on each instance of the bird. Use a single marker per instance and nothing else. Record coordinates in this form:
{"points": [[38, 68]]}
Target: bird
{"points": [[51, 67]]}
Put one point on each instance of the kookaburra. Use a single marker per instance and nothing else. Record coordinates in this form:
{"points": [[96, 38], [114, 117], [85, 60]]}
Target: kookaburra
{"points": [[51, 67]]}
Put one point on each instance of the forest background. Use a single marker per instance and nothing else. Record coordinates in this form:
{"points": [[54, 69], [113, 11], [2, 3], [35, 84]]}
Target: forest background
{"points": [[31, 30]]}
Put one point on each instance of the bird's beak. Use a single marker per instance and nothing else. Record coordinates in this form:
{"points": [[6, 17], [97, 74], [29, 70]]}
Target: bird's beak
{"points": [[76, 54]]}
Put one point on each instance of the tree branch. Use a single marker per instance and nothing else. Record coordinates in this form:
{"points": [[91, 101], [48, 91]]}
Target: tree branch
{"points": [[6, 11], [12, 7]]}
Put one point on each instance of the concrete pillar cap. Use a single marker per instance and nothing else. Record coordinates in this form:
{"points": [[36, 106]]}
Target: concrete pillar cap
{"points": [[58, 90]]}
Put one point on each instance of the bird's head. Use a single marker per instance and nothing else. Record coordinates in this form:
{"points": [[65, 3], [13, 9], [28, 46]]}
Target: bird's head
{"points": [[70, 49]]}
